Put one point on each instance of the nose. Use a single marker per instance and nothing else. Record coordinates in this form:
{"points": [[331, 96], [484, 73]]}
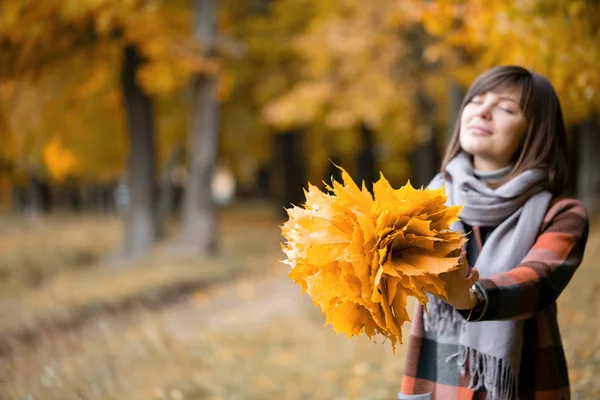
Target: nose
{"points": [[483, 111]]}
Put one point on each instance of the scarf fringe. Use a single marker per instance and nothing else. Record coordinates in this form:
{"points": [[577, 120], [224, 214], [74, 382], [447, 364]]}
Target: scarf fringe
{"points": [[486, 371]]}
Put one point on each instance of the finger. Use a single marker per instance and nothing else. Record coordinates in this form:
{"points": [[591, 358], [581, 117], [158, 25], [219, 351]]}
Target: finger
{"points": [[474, 276], [464, 267]]}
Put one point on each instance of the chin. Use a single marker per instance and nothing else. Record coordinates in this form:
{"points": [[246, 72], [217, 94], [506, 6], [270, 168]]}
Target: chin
{"points": [[475, 149], [473, 143]]}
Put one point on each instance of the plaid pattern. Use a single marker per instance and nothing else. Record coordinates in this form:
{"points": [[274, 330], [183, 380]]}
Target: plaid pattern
{"points": [[529, 291]]}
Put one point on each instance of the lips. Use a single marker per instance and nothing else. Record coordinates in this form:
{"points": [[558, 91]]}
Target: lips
{"points": [[479, 130]]}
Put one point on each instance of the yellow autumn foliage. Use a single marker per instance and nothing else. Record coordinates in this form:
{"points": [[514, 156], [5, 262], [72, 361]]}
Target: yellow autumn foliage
{"points": [[359, 256], [59, 160], [556, 38]]}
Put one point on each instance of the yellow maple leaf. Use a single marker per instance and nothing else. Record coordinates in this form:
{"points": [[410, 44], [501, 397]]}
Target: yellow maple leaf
{"points": [[359, 256]]}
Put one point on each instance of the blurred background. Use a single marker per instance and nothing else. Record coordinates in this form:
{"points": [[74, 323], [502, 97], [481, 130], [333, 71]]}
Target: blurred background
{"points": [[148, 149]]}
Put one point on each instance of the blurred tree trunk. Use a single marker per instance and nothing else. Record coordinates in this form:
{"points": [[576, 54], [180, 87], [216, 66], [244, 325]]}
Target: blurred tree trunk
{"points": [[166, 197], [588, 183], [35, 198], [141, 222], [425, 158], [199, 211], [365, 161], [73, 195], [289, 172], [574, 158], [455, 97], [332, 173]]}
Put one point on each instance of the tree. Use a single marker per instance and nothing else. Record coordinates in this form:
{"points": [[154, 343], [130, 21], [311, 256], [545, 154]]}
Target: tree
{"points": [[557, 38], [141, 228], [199, 217], [587, 177], [39, 38], [357, 63]]}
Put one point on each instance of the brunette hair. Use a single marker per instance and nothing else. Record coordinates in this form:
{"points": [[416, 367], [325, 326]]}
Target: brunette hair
{"points": [[545, 142]]}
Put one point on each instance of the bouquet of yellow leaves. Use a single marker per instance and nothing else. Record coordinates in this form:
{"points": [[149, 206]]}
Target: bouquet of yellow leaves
{"points": [[359, 256]]}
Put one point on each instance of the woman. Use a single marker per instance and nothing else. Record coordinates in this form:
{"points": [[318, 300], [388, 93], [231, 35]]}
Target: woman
{"points": [[496, 335]]}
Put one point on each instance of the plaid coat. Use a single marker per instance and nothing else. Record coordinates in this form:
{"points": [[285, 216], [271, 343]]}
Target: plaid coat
{"points": [[529, 292]]}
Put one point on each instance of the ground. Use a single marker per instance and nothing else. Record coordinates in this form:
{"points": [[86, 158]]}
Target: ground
{"points": [[236, 328]]}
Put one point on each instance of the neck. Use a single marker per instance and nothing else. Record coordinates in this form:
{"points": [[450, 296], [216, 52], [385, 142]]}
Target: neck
{"points": [[492, 177], [482, 164]]}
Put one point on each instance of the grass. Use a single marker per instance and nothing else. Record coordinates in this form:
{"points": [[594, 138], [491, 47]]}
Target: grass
{"points": [[70, 292], [201, 349], [254, 337], [33, 250]]}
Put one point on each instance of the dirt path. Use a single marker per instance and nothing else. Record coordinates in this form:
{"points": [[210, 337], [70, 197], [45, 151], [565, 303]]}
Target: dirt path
{"points": [[245, 303], [270, 341]]}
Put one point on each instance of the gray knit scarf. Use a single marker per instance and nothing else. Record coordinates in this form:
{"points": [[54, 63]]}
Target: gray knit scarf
{"points": [[490, 349]]}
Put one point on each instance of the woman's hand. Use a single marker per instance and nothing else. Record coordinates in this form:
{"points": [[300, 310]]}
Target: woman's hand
{"points": [[458, 285]]}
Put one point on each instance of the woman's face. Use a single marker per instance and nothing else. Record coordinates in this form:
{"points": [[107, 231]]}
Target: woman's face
{"points": [[492, 127]]}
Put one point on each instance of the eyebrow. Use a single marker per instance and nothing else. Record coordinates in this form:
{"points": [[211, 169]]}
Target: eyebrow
{"points": [[505, 98], [509, 99]]}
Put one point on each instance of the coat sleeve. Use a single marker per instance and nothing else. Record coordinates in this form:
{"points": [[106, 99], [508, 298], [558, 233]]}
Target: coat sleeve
{"points": [[536, 283]]}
